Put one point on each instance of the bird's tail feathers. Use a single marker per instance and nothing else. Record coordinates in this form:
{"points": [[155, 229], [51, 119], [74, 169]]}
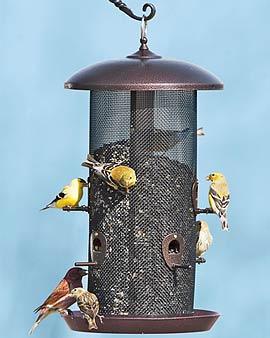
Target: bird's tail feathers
{"points": [[50, 205], [90, 162], [38, 308], [38, 321], [92, 325], [31, 331], [47, 207], [224, 222]]}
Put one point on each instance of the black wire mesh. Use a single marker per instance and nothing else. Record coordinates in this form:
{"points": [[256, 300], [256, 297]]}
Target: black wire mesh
{"points": [[155, 133]]}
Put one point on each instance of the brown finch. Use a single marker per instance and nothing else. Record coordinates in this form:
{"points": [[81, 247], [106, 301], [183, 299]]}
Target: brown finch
{"points": [[60, 299], [89, 306]]}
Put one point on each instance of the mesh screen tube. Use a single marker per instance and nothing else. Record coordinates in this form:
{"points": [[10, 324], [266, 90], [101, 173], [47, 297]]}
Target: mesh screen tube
{"points": [[154, 132]]}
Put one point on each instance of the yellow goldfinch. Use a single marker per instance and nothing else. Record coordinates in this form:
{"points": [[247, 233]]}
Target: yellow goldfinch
{"points": [[204, 240], [70, 196], [89, 306], [114, 174], [219, 197]]}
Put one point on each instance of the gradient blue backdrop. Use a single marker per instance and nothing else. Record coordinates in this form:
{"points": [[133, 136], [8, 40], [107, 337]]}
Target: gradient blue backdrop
{"points": [[44, 138]]}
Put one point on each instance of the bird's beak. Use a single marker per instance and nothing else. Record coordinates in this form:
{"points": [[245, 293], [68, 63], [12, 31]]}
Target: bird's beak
{"points": [[86, 185], [208, 178]]}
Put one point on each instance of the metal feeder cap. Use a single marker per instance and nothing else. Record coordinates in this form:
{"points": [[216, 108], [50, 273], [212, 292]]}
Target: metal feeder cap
{"points": [[143, 70]]}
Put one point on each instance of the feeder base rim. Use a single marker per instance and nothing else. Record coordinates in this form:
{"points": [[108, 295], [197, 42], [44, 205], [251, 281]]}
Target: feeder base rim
{"points": [[199, 320]]}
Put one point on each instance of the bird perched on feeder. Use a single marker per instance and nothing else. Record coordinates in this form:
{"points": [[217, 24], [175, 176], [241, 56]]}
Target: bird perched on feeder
{"points": [[70, 195], [89, 306], [60, 299], [204, 240], [116, 175], [219, 197]]}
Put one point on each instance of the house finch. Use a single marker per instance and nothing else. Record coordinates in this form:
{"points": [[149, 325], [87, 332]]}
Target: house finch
{"points": [[60, 299]]}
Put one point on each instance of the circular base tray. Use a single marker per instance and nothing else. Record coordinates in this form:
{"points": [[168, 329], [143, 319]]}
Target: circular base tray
{"points": [[200, 320]]}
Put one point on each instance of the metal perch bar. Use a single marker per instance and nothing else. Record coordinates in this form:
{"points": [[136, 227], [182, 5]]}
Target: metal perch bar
{"points": [[179, 266], [93, 264], [204, 211], [84, 208]]}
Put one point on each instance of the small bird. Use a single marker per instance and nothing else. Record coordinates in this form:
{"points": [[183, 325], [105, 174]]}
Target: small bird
{"points": [[116, 175], [89, 306], [60, 299], [219, 197], [70, 196], [200, 132], [204, 240]]}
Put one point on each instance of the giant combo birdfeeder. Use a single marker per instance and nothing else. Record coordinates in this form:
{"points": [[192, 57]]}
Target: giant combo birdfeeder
{"points": [[143, 112]]}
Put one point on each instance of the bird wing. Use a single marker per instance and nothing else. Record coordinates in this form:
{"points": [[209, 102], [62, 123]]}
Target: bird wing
{"points": [[60, 196], [65, 191], [221, 202], [88, 304], [107, 174], [60, 291]]}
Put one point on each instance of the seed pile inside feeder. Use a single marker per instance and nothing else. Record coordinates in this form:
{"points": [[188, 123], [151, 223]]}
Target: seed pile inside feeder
{"points": [[135, 225]]}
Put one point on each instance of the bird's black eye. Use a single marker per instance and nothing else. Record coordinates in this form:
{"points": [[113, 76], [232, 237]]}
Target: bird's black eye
{"points": [[213, 175]]}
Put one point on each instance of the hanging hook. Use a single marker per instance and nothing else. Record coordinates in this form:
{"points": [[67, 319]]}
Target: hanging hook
{"points": [[143, 30], [124, 8]]}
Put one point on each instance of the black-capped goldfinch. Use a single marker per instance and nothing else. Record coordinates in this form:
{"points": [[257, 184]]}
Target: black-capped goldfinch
{"points": [[70, 195], [116, 175], [204, 240], [219, 197], [89, 306]]}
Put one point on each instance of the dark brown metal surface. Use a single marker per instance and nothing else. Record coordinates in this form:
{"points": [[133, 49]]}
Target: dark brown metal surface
{"points": [[195, 190], [124, 8], [172, 249], [200, 320], [98, 247], [143, 71]]}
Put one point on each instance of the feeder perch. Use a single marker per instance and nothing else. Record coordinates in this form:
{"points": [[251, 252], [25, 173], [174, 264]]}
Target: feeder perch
{"points": [[143, 112]]}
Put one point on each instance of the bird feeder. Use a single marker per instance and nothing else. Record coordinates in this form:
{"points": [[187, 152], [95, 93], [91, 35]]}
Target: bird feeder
{"points": [[143, 112]]}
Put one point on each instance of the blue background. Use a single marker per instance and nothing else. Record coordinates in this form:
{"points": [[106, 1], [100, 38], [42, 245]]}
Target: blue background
{"points": [[44, 138]]}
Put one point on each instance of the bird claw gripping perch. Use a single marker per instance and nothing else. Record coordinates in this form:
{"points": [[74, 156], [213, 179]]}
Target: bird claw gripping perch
{"points": [[100, 317]]}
